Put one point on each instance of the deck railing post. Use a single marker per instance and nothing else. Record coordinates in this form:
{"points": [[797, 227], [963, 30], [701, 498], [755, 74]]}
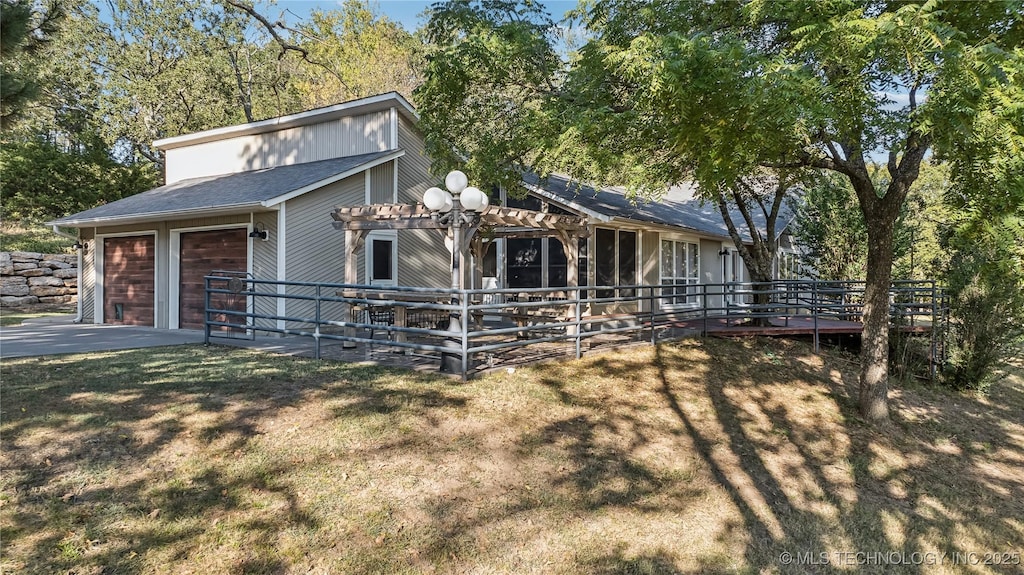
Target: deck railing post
{"points": [[579, 323], [651, 303], [316, 328], [464, 303], [206, 311], [704, 308], [931, 357], [814, 309]]}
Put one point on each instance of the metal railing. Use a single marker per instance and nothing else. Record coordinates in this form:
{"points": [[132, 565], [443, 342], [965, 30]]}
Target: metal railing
{"points": [[502, 326]]}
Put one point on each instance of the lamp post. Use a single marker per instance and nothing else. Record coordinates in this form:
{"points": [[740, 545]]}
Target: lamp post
{"points": [[455, 209]]}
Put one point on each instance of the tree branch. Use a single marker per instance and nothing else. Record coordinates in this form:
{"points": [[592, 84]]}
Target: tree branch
{"points": [[286, 46]]}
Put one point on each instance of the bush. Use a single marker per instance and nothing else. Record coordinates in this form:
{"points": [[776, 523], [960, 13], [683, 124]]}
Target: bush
{"points": [[986, 310]]}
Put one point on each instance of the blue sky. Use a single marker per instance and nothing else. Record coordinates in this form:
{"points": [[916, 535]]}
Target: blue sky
{"points": [[406, 12]]}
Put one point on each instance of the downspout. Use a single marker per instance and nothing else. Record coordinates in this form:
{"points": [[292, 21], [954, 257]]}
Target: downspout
{"points": [[57, 230]]}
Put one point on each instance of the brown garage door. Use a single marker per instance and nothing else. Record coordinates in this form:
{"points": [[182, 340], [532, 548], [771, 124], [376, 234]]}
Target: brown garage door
{"points": [[128, 280], [201, 253]]}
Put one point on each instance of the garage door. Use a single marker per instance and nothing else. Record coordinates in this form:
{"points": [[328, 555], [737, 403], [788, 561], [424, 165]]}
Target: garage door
{"points": [[201, 253], [128, 280]]}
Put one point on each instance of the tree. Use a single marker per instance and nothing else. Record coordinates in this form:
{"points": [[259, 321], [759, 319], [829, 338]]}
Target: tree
{"points": [[986, 240], [831, 228], [76, 179], [25, 30], [363, 54], [665, 91]]}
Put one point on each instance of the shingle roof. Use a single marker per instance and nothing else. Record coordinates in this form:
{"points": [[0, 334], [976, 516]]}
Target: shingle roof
{"points": [[220, 193], [677, 208]]}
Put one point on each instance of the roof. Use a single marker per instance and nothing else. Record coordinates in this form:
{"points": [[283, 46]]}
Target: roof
{"points": [[680, 207], [229, 193], [366, 105]]}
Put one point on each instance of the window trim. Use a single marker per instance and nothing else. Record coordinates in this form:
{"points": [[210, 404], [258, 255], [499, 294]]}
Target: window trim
{"points": [[637, 258], [695, 276], [388, 235]]}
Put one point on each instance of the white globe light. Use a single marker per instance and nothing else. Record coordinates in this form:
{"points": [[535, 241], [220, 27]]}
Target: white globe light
{"points": [[456, 181], [473, 199], [435, 198], [448, 203]]}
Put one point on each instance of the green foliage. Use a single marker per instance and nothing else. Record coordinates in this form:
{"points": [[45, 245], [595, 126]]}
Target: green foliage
{"points": [[490, 70], [41, 180], [986, 288], [25, 29], [32, 237], [363, 54], [831, 228]]}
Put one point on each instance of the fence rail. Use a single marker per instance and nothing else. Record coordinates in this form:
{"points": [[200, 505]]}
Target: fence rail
{"points": [[477, 329]]}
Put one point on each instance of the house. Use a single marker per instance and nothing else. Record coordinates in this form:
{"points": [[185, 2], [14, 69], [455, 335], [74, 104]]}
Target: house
{"points": [[677, 241], [256, 199]]}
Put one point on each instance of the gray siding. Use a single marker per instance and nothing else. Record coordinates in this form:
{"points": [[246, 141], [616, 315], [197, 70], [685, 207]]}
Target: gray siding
{"points": [[711, 268], [87, 290], [382, 184], [332, 139], [314, 249], [423, 258], [264, 267]]}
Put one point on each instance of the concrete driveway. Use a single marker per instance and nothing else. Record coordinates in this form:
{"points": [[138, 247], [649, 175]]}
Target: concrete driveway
{"points": [[46, 336]]}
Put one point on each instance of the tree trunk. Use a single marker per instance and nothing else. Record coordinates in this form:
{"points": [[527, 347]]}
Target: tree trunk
{"points": [[874, 355]]}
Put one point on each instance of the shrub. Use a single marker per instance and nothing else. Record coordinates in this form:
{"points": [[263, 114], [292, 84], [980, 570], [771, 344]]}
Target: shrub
{"points": [[986, 288]]}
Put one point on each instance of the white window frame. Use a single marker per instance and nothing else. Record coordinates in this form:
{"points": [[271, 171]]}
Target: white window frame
{"points": [[690, 277], [388, 235], [637, 256]]}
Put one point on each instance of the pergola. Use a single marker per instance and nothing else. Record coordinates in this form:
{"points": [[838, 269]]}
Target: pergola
{"points": [[495, 222]]}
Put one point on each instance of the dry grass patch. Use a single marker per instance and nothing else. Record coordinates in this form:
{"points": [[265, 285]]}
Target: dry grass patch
{"points": [[696, 457]]}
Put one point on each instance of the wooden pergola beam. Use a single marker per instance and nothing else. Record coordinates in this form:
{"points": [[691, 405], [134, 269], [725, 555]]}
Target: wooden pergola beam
{"points": [[505, 222]]}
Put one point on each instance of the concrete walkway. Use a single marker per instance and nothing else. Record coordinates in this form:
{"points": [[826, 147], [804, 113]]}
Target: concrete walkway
{"points": [[58, 335]]}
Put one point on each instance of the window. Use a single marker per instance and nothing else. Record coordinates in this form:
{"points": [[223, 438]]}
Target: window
{"points": [[680, 272], [789, 266], [614, 260], [524, 263], [381, 258], [558, 264]]}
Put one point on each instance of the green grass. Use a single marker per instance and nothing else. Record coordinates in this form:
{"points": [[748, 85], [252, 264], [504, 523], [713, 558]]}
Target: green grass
{"points": [[697, 457], [9, 318], [31, 237]]}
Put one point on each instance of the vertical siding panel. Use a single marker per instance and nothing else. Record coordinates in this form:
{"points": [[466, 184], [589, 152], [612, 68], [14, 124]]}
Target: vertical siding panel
{"points": [[711, 268], [315, 248], [349, 136], [264, 267], [423, 258], [382, 183], [87, 290]]}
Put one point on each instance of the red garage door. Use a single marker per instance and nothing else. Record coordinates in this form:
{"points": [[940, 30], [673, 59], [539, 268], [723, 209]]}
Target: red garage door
{"points": [[201, 253], [128, 280]]}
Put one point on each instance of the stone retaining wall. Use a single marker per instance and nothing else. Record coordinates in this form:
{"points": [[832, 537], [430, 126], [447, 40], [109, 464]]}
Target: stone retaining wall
{"points": [[29, 278]]}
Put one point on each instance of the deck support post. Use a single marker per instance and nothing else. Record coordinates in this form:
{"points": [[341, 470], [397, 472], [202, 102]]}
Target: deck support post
{"points": [[353, 241]]}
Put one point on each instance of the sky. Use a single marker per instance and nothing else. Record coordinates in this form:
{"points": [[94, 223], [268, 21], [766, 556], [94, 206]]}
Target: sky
{"points": [[406, 12]]}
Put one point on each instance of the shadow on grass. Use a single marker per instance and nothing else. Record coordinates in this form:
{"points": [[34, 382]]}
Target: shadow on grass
{"points": [[157, 437], [169, 456]]}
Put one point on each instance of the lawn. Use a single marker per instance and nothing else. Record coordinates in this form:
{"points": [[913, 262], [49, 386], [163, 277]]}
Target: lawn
{"points": [[703, 456], [32, 237], [9, 317]]}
